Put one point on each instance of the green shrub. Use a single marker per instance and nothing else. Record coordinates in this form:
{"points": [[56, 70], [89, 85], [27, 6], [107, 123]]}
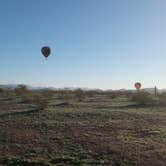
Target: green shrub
{"points": [[91, 93], [48, 93], [162, 98], [1, 90], [21, 90], [79, 94], [40, 101], [64, 94], [37, 99], [142, 98]]}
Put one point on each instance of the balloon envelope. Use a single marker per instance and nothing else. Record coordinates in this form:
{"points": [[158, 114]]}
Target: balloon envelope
{"points": [[46, 51], [137, 85]]}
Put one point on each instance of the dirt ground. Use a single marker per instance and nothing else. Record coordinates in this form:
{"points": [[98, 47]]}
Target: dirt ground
{"points": [[100, 131]]}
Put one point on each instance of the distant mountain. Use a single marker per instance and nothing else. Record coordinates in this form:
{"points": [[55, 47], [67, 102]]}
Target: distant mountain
{"points": [[13, 86], [8, 86]]}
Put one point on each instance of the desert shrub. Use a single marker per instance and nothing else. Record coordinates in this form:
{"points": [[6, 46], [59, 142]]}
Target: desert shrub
{"points": [[48, 93], [64, 94], [7, 93], [36, 98], [91, 93], [127, 93], [162, 98], [112, 95], [79, 94], [142, 98], [118, 93], [1, 90], [40, 101], [21, 90]]}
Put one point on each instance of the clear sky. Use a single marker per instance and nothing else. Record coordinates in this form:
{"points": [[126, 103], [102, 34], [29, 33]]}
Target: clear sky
{"points": [[107, 44]]}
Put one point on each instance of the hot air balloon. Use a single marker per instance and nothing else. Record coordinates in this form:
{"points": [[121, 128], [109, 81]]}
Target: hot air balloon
{"points": [[138, 85], [46, 51]]}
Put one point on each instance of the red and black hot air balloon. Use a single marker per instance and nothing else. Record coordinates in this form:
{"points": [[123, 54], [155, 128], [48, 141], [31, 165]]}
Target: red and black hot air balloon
{"points": [[46, 51], [138, 85]]}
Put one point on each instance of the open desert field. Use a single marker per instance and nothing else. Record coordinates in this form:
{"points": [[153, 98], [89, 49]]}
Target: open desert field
{"points": [[98, 129]]}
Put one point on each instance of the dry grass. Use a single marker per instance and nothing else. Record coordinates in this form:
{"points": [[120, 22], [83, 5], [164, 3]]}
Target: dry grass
{"points": [[98, 130]]}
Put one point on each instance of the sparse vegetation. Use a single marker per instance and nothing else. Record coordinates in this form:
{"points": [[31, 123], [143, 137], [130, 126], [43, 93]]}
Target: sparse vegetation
{"points": [[40, 101], [143, 98], [64, 94], [162, 99], [100, 130], [1, 90], [21, 90], [79, 94]]}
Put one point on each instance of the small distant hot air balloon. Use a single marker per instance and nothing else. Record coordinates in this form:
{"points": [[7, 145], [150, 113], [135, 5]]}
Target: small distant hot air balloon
{"points": [[138, 85], [46, 51]]}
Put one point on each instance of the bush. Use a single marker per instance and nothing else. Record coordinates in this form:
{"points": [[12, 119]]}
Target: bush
{"points": [[91, 93], [48, 93], [1, 90], [79, 94], [40, 101], [162, 98], [21, 90], [64, 94], [37, 99], [142, 98], [112, 95]]}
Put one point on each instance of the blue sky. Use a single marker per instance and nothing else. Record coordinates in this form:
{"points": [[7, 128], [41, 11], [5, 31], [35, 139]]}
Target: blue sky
{"points": [[107, 44]]}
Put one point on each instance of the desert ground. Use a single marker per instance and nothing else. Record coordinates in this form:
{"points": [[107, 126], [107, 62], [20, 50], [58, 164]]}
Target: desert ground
{"points": [[83, 128]]}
